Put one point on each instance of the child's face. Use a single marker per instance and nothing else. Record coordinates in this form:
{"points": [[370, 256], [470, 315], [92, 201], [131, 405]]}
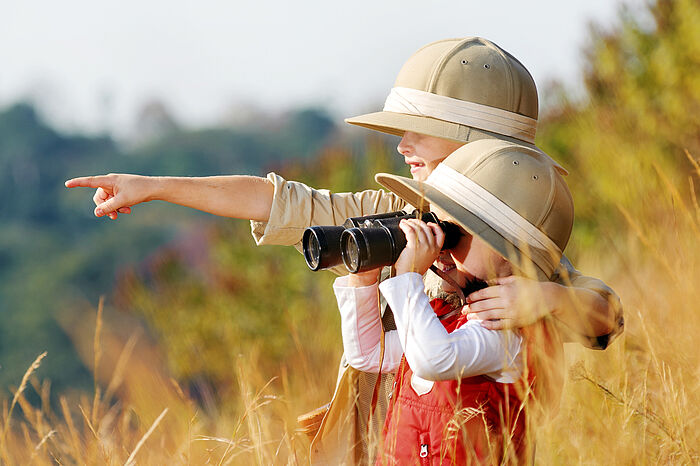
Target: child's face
{"points": [[423, 153], [476, 260], [445, 263]]}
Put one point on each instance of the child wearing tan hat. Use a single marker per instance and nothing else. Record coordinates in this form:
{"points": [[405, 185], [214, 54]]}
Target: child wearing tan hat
{"points": [[449, 93], [462, 391]]}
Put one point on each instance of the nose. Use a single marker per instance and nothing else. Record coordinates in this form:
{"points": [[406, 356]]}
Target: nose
{"points": [[405, 146]]}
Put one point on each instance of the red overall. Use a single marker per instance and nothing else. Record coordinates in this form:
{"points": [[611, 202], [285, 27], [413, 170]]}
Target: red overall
{"points": [[474, 420]]}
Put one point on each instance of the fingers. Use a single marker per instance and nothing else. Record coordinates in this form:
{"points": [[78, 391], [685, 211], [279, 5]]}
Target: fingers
{"points": [[100, 196], [492, 308], [109, 207], [487, 305], [421, 247], [438, 234], [485, 293], [409, 232], [421, 232], [106, 203], [493, 319], [90, 182], [488, 315], [413, 229]]}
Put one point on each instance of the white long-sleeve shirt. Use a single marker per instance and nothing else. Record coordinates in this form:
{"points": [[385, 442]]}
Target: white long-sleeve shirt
{"points": [[431, 352]]}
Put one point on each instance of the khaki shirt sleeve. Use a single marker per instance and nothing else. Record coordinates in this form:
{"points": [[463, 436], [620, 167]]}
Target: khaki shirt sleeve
{"points": [[567, 275], [296, 206]]}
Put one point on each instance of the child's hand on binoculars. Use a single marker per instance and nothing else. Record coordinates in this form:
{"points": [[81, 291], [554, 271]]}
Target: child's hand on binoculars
{"points": [[423, 244]]}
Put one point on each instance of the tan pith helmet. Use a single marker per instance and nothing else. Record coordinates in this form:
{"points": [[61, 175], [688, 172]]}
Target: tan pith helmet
{"points": [[512, 196], [460, 89]]}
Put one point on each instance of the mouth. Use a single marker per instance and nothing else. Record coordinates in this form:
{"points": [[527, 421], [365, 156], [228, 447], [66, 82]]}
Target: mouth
{"points": [[415, 166], [445, 266]]}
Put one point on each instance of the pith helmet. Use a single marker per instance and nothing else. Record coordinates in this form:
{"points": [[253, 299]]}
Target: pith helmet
{"points": [[511, 196], [460, 89]]}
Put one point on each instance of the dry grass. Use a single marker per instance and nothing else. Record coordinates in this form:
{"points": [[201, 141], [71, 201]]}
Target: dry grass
{"points": [[635, 403], [144, 417]]}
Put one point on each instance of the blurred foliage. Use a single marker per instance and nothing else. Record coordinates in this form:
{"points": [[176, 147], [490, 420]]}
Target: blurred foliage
{"points": [[55, 256], [640, 114]]}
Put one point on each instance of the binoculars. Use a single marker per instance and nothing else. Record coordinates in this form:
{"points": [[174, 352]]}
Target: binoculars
{"points": [[365, 243]]}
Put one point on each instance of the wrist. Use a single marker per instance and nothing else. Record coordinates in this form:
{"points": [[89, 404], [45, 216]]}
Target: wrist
{"points": [[360, 283], [554, 298], [363, 279], [159, 188], [401, 267]]}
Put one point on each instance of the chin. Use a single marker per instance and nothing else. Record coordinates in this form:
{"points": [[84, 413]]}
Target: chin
{"points": [[420, 176]]}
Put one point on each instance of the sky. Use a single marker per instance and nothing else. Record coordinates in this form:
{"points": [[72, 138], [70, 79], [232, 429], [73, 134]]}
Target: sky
{"points": [[90, 65]]}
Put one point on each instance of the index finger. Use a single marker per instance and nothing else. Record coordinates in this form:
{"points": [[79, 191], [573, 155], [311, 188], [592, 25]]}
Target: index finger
{"points": [[438, 233], [413, 231], [89, 182]]}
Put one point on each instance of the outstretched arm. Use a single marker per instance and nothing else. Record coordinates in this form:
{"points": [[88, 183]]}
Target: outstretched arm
{"points": [[238, 196]]}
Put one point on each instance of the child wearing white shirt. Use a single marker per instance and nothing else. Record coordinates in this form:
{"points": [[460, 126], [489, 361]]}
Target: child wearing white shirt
{"points": [[462, 390]]}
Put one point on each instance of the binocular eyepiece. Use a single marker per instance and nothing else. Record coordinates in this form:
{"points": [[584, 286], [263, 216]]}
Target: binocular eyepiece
{"points": [[365, 243]]}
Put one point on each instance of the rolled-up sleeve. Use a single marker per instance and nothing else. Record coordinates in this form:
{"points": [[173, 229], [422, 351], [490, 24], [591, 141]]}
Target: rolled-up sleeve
{"points": [[296, 206]]}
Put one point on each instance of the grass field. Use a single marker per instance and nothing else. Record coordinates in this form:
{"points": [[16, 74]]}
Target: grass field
{"points": [[635, 403]]}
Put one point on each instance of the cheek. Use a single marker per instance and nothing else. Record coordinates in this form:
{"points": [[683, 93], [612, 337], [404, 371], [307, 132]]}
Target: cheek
{"points": [[460, 255], [470, 261], [503, 267], [492, 265]]}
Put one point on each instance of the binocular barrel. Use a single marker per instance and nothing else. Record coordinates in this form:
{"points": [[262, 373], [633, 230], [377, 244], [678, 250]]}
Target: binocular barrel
{"points": [[364, 243], [321, 244]]}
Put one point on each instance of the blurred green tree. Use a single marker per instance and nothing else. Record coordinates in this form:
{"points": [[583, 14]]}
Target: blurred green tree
{"points": [[641, 112], [55, 257]]}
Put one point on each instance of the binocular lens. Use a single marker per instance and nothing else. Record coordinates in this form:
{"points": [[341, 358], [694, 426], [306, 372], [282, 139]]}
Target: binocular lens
{"points": [[367, 248], [314, 252], [351, 252], [321, 247]]}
